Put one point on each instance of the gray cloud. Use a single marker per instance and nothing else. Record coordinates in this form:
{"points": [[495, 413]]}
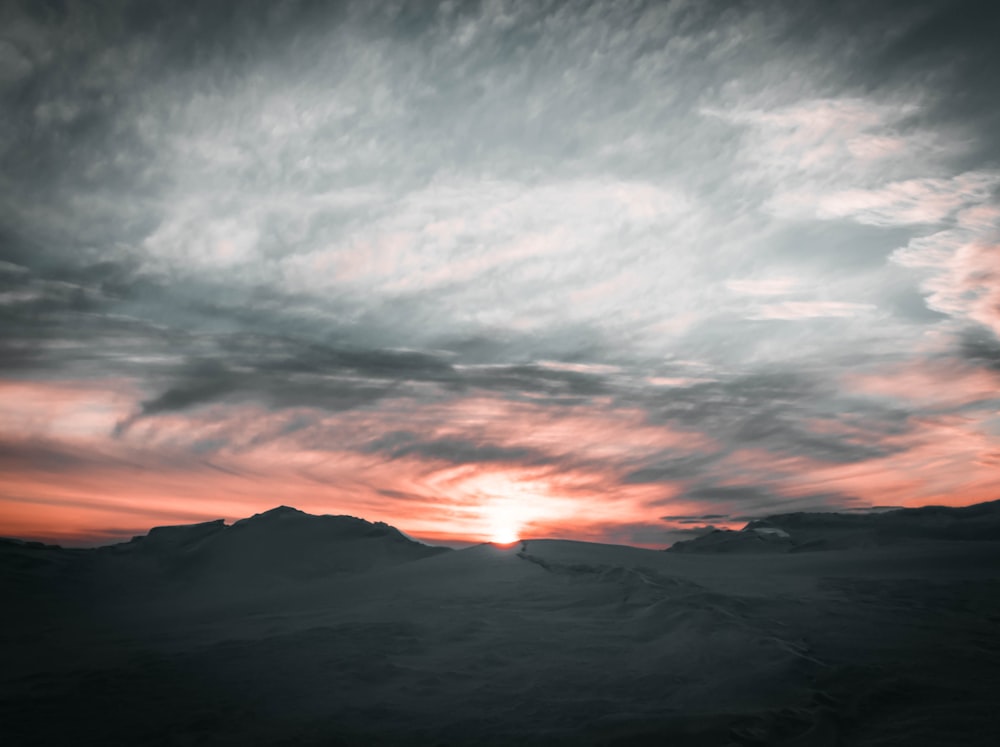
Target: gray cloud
{"points": [[769, 409], [669, 468], [400, 444], [716, 216], [980, 348]]}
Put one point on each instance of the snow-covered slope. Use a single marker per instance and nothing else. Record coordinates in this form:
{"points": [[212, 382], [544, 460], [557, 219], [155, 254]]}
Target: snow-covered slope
{"points": [[545, 642], [273, 547], [799, 532]]}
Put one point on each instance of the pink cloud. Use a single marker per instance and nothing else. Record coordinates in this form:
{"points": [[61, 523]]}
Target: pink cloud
{"points": [[792, 310], [763, 286], [939, 459], [909, 202], [962, 265], [228, 461], [944, 385], [828, 142], [679, 382], [458, 468], [67, 409], [948, 461]]}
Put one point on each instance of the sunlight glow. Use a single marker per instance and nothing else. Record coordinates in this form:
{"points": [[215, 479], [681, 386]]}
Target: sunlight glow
{"points": [[505, 519], [504, 535]]}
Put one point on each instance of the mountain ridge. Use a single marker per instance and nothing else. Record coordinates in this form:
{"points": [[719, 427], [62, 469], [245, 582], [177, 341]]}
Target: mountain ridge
{"points": [[267, 549], [804, 531]]}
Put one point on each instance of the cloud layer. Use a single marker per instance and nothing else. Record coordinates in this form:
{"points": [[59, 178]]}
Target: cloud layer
{"points": [[573, 267]]}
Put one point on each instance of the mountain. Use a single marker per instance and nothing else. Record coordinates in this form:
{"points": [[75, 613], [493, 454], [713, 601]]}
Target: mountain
{"points": [[803, 531], [269, 549], [286, 628]]}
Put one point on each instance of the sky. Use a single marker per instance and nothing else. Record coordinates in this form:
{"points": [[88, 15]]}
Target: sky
{"points": [[611, 271]]}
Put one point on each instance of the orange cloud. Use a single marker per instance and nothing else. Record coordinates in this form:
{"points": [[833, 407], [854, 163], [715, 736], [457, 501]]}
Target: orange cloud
{"points": [[546, 470], [942, 384]]}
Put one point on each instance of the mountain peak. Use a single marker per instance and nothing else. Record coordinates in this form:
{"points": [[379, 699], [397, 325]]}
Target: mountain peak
{"points": [[284, 519], [275, 514], [283, 511]]}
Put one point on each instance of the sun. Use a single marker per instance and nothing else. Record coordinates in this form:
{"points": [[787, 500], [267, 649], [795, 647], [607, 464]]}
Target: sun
{"points": [[504, 527], [507, 508], [504, 535]]}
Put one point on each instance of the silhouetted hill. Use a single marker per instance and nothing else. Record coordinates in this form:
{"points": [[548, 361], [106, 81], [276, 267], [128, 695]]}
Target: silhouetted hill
{"points": [[281, 544], [267, 549], [804, 531]]}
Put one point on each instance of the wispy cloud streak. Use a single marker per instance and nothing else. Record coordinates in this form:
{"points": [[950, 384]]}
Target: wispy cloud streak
{"points": [[585, 265]]}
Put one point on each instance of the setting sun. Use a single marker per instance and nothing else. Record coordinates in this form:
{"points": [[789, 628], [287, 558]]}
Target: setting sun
{"points": [[504, 535], [504, 521]]}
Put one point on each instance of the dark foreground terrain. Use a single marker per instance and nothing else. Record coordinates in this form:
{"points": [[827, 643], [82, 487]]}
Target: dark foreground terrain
{"points": [[299, 630]]}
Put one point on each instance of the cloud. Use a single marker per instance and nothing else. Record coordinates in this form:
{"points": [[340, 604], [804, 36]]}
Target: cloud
{"points": [[980, 349], [763, 286], [943, 385], [914, 201], [810, 310], [960, 266], [402, 444], [419, 261]]}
